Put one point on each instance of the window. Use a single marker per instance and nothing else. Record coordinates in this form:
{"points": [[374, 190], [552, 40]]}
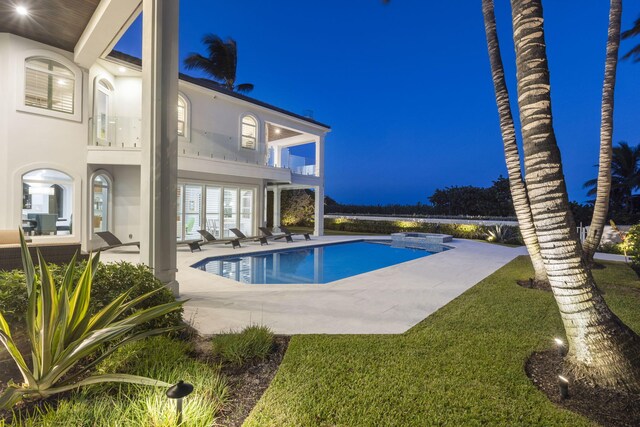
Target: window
{"points": [[101, 203], [249, 133], [47, 202], [102, 105], [182, 116], [49, 85]]}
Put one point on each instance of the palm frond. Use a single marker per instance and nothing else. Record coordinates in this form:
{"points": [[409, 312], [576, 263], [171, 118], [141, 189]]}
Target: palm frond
{"points": [[244, 88]]}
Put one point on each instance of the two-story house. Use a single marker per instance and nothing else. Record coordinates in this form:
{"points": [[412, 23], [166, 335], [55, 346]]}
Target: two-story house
{"points": [[91, 139]]}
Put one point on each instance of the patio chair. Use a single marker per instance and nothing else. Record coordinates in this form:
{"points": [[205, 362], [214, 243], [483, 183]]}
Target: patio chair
{"points": [[209, 239], [113, 242], [268, 233], [242, 237], [285, 230]]}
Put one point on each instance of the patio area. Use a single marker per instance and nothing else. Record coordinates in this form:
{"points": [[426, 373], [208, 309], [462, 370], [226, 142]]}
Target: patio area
{"points": [[386, 301]]}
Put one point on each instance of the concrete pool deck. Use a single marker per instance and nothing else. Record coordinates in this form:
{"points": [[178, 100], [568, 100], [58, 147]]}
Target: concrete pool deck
{"points": [[386, 301]]}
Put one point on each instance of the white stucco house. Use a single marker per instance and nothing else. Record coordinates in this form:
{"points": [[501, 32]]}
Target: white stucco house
{"points": [[92, 139]]}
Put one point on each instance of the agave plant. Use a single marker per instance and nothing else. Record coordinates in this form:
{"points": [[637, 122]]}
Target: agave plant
{"points": [[498, 233], [61, 332]]}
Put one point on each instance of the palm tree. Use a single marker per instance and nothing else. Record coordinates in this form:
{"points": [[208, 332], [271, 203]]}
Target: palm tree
{"points": [[220, 63], [603, 190], [625, 177], [635, 51], [511, 152], [602, 349]]}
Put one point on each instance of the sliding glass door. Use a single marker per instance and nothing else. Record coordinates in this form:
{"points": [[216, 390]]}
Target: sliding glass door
{"points": [[215, 208]]}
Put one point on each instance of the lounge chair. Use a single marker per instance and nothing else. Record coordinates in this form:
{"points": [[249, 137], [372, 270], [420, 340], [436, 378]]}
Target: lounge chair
{"points": [[113, 242], [241, 236], [285, 230], [209, 239], [269, 234]]}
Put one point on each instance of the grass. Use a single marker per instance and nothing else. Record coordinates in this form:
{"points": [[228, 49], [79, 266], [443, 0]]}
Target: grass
{"points": [[238, 348], [463, 365], [128, 405]]}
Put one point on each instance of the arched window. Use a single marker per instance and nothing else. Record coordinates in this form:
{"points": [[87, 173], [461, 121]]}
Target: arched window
{"points": [[182, 116], [249, 133], [49, 85], [47, 202], [101, 196], [102, 110]]}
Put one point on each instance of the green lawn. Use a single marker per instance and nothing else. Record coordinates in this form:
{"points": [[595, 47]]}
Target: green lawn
{"points": [[461, 366]]}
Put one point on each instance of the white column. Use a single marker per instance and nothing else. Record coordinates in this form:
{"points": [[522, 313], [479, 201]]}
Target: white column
{"points": [[318, 229], [318, 217], [276, 208], [159, 168]]}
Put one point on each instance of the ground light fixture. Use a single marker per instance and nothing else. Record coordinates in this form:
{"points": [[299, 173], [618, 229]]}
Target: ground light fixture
{"points": [[21, 10], [178, 392], [560, 347], [563, 386]]}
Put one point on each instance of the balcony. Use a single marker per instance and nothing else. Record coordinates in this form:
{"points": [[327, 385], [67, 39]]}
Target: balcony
{"points": [[116, 132]]}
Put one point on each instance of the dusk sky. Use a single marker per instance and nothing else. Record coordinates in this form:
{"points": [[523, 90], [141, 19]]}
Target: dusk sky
{"points": [[406, 87]]}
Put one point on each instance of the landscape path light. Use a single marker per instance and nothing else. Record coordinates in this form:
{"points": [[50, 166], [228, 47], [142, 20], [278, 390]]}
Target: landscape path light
{"points": [[179, 391], [560, 346], [563, 385]]}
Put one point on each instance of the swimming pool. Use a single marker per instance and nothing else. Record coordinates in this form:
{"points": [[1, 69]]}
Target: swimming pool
{"points": [[312, 264]]}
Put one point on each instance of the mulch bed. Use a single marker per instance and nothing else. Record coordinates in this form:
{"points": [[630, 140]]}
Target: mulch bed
{"points": [[606, 407], [247, 383]]}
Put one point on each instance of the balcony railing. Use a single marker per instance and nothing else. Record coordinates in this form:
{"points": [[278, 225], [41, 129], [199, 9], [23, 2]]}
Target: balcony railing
{"points": [[126, 132], [116, 131]]}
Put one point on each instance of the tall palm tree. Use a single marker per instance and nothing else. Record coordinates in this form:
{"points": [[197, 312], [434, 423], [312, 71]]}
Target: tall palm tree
{"points": [[602, 349], [511, 152], [635, 51], [220, 63], [625, 177], [603, 191]]}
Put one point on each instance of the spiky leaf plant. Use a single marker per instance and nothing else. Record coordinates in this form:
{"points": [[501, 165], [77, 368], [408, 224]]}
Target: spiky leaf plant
{"points": [[61, 332]]}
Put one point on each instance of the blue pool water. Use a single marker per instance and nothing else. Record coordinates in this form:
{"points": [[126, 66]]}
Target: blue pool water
{"points": [[311, 264]]}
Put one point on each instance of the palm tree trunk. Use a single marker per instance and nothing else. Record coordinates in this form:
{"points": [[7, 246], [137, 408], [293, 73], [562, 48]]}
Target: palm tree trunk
{"points": [[601, 206], [602, 350], [511, 153]]}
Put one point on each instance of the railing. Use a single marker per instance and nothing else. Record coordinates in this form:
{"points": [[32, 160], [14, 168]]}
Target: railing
{"points": [[116, 131], [126, 132]]}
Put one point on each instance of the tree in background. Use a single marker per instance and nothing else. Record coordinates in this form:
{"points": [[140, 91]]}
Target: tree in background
{"points": [[632, 32], [603, 188], [297, 207], [221, 62], [625, 180], [603, 351]]}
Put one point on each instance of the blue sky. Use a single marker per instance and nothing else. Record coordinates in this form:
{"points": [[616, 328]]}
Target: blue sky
{"points": [[407, 88]]}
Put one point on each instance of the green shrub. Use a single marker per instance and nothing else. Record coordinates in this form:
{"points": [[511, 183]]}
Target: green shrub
{"points": [[62, 333], [252, 343], [611, 248], [462, 231], [107, 405], [110, 281], [632, 245], [13, 296]]}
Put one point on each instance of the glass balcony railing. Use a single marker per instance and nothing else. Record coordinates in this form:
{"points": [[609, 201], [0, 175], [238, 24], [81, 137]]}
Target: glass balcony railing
{"points": [[126, 132], [116, 131]]}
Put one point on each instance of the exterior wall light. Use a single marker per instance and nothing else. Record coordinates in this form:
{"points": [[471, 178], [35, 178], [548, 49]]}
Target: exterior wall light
{"points": [[122, 69], [560, 347], [21, 10], [563, 386], [178, 392]]}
